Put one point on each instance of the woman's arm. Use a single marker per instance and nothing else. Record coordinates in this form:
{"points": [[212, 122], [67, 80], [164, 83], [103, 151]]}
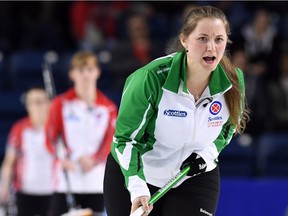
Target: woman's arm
{"points": [[7, 173], [136, 109]]}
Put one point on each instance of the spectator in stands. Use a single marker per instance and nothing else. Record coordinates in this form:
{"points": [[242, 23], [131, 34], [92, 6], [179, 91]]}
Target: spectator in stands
{"points": [[260, 34], [273, 144], [255, 84], [278, 98], [94, 23], [27, 162], [81, 122], [260, 38], [139, 49]]}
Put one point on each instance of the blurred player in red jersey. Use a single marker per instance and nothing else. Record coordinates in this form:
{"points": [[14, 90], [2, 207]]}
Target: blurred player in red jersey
{"points": [[27, 162], [82, 121]]}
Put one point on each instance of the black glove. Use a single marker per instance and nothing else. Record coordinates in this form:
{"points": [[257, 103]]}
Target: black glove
{"points": [[197, 164]]}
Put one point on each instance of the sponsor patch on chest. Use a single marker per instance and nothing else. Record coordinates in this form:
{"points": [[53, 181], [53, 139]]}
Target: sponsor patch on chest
{"points": [[215, 121], [175, 113], [214, 109], [71, 116]]}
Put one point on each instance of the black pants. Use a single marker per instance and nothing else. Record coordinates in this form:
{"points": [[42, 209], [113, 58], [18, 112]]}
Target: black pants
{"points": [[196, 196], [92, 201], [30, 205]]}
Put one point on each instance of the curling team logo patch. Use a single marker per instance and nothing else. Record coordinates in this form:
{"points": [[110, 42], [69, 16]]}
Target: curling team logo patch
{"points": [[215, 107]]}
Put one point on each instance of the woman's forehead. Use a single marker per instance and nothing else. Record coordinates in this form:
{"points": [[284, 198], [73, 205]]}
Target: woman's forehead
{"points": [[210, 26]]}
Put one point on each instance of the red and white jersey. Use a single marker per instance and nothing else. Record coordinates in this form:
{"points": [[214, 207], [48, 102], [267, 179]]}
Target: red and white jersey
{"points": [[33, 170], [84, 131]]}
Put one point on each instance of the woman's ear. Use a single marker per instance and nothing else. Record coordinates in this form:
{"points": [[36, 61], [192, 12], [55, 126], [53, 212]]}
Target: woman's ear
{"points": [[183, 40]]}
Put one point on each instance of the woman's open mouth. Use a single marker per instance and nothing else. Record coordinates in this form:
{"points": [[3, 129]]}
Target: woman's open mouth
{"points": [[209, 59]]}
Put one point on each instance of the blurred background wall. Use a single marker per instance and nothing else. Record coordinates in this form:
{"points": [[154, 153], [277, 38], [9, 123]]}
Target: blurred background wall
{"points": [[126, 35]]}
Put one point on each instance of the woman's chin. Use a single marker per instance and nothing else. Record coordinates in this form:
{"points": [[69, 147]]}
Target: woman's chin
{"points": [[210, 67]]}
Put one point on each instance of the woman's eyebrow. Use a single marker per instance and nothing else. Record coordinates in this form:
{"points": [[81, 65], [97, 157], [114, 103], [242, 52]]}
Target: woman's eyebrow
{"points": [[203, 34]]}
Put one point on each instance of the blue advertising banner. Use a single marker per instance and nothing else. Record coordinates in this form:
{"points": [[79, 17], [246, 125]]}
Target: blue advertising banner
{"points": [[253, 197]]}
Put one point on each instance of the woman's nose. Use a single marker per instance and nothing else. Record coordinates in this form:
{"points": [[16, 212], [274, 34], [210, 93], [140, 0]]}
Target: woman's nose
{"points": [[211, 46]]}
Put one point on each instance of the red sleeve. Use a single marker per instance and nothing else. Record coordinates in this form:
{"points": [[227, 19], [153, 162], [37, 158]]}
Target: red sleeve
{"points": [[14, 138], [102, 154], [53, 127]]}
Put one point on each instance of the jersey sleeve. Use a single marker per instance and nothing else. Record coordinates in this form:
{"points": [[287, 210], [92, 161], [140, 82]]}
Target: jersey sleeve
{"points": [[102, 154], [14, 137], [228, 130], [53, 125], [225, 136], [136, 109], [241, 85]]}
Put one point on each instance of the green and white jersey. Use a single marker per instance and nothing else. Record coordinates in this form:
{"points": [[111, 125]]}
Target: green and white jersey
{"points": [[159, 124]]}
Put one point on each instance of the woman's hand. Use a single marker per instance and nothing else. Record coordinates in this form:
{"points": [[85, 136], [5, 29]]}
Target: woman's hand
{"points": [[68, 165], [142, 201], [197, 164], [4, 195], [86, 163]]}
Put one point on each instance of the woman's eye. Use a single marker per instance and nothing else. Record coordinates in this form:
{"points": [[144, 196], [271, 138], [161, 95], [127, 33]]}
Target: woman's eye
{"points": [[202, 39], [218, 40]]}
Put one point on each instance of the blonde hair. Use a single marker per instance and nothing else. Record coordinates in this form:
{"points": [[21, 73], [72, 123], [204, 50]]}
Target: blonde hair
{"points": [[81, 58], [233, 97]]}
